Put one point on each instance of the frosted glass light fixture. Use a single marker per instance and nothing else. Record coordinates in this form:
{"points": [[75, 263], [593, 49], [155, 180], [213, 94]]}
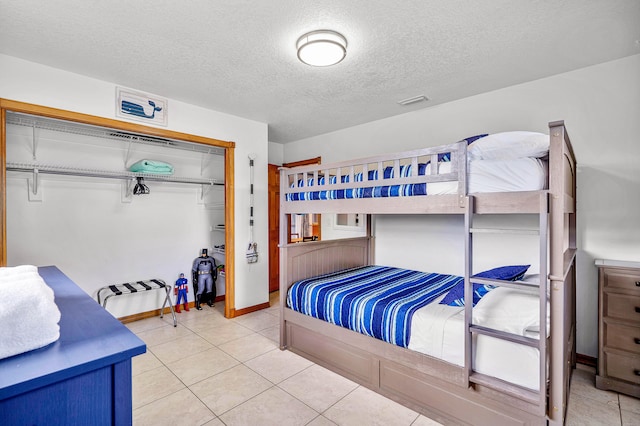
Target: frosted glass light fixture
{"points": [[322, 48]]}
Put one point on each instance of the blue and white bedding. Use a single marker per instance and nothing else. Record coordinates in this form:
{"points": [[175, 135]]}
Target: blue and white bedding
{"points": [[438, 331], [367, 192], [377, 301], [520, 174], [500, 162], [406, 308]]}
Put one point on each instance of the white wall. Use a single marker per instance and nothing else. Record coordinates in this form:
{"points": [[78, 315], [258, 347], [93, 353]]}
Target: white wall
{"points": [[276, 153], [33, 83], [600, 105]]}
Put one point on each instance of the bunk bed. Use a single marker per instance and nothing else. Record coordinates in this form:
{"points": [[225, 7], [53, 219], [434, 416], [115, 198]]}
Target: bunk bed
{"points": [[441, 180]]}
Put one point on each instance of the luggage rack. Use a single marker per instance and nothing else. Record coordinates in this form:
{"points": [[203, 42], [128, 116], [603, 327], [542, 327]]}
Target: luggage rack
{"points": [[137, 287]]}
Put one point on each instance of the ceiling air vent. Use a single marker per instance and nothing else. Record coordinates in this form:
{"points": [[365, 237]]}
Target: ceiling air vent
{"points": [[413, 100]]}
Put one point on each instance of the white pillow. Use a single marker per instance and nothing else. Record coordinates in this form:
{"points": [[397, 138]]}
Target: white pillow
{"points": [[509, 146], [508, 310]]}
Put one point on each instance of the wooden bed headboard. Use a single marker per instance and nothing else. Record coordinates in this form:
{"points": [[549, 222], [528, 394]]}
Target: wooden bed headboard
{"points": [[309, 259]]}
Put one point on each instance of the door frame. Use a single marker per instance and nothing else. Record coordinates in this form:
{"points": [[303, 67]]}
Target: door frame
{"points": [[307, 162], [274, 209], [273, 244], [229, 147]]}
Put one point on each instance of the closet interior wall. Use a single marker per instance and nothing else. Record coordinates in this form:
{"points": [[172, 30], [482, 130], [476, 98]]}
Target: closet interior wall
{"points": [[93, 228]]}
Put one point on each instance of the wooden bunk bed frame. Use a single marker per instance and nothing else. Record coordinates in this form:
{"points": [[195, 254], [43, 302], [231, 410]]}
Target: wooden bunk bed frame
{"points": [[445, 392]]}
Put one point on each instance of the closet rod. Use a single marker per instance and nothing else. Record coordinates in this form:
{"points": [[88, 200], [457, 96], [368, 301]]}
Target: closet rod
{"points": [[53, 170]]}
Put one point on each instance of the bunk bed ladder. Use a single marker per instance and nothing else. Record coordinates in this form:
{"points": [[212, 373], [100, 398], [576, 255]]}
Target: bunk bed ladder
{"points": [[538, 398]]}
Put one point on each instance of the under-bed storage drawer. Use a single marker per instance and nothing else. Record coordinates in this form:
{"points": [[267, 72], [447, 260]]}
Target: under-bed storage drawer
{"points": [[448, 400], [351, 361]]}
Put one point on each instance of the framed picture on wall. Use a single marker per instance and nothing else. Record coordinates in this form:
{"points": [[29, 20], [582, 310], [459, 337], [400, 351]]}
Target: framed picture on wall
{"points": [[141, 107]]}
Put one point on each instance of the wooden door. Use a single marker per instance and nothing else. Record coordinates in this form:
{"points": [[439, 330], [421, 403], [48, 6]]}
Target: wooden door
{"points": [[274, 220], [274, 227]]}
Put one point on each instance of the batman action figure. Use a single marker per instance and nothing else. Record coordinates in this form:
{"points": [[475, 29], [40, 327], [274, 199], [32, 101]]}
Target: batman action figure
{"points": [[204, 274]]}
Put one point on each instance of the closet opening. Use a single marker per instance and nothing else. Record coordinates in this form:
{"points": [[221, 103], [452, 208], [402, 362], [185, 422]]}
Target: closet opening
{"points": [[73, 196]]}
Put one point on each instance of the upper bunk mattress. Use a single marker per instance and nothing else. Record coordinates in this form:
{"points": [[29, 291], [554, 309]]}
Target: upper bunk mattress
{"points": [[520, 174]]}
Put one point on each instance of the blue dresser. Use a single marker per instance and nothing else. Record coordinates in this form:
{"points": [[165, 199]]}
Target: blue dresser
{"points": [[82, 378]]}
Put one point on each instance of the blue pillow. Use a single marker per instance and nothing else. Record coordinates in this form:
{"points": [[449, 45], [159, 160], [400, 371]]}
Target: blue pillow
{"points": [[446, 157], [472, 139], [455, 297], [507, 273]]}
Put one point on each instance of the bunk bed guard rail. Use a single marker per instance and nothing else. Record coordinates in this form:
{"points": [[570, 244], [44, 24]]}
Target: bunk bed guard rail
{"points": [[400, 174]]}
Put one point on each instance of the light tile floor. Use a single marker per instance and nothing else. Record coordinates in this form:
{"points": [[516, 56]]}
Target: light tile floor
{"points": [[213, 371]]}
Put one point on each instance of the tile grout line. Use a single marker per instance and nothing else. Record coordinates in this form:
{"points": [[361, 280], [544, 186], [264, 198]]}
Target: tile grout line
{"points": [[185, 387], [240, 362], [243, 363], [254, 333], [620, 410], [179, 379]]}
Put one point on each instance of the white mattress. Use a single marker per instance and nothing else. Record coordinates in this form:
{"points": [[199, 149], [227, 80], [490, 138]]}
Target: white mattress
{"points": [[438, 330], [521, 174]]}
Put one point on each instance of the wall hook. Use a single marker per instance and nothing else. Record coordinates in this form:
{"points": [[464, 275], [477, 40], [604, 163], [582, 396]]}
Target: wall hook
{"points": [[35, 181], [34, 189], [34, 141]]}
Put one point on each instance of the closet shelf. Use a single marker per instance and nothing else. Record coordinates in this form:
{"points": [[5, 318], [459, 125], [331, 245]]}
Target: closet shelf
{"points": [[125, 175], [46, 123]]}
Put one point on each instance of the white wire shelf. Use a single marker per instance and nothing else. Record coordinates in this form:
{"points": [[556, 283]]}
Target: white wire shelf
{"points": [[64, 126], [123, 175]]}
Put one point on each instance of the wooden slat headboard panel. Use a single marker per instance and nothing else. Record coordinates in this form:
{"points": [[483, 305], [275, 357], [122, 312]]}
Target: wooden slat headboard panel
{"points": [[306, 260]]}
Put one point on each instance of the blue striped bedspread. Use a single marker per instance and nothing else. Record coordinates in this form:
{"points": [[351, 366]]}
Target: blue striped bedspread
{"points": [[377, 301], [405, 190]]}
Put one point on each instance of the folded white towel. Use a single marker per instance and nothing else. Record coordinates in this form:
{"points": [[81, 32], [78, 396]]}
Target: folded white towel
{"points": [[28, 314]]}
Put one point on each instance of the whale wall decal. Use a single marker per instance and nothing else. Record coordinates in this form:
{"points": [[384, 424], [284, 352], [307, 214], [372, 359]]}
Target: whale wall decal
{"points": [[133, 108], [141, 107]]}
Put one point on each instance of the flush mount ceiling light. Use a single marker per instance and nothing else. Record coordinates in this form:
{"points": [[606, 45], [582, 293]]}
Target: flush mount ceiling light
{"points": [[322, 48]]}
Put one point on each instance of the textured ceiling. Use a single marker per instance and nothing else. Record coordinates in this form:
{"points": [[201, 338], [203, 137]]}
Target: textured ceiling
{"points": [[238, 57]]}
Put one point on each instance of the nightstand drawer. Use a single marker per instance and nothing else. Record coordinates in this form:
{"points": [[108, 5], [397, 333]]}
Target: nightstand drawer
{"points": [[619, 326], [622, 337], [622, 306], [623, 367], [622, 279]]}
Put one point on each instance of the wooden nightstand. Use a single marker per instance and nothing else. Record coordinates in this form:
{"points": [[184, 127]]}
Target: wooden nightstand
{"points": [[619, 326]]}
